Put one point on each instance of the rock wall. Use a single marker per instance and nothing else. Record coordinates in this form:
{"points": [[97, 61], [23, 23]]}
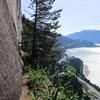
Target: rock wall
{"points": [[10, 60], [15, 11]]}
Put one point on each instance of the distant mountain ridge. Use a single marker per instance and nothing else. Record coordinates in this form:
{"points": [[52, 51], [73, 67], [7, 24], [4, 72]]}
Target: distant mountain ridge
{"points": [[90, 35], [66, 43]]}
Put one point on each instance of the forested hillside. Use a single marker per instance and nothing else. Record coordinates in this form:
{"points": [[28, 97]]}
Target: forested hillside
{"points": [[67, 43], [47, 77]]}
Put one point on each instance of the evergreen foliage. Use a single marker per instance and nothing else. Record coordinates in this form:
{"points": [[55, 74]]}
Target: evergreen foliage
{"points": [[46, 79], [45, 22]]}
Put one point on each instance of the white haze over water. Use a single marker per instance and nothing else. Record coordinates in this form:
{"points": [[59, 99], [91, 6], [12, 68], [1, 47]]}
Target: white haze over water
{"points": [[90, 57]]}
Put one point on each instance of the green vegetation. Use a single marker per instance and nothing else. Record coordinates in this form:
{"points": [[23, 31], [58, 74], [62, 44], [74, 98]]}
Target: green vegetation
{"points": [[42, 86], [45, 23], [46, 78], [38, 83]]}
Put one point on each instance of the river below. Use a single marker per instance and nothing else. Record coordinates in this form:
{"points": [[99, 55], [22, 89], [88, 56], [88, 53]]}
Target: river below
{"points": [[91, 59]]}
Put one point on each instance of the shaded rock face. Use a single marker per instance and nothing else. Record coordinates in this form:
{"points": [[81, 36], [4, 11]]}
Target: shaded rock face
{"points": [[10, 60]]}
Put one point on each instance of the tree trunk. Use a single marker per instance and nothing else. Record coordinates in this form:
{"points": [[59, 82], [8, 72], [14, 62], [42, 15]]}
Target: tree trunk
{"points": [[34, 39]]}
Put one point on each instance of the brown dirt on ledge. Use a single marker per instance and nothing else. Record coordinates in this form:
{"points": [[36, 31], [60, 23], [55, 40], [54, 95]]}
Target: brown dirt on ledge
{"points": [[25, 92]]}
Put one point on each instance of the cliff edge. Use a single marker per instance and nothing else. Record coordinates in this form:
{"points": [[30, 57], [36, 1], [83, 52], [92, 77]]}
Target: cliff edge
{"points": [[10, 60]]}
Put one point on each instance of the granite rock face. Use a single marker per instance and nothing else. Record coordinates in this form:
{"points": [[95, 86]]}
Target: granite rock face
{"points": [[10, 60]]}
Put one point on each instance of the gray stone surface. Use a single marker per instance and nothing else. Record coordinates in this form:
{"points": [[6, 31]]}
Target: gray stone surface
{"points": [[10, 60]]}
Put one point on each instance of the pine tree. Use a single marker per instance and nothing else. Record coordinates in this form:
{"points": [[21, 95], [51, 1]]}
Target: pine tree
{"points": [[45, 23]]}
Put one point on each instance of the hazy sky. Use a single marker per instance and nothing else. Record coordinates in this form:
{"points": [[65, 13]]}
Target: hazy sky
{"points": [[77, 15]]}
